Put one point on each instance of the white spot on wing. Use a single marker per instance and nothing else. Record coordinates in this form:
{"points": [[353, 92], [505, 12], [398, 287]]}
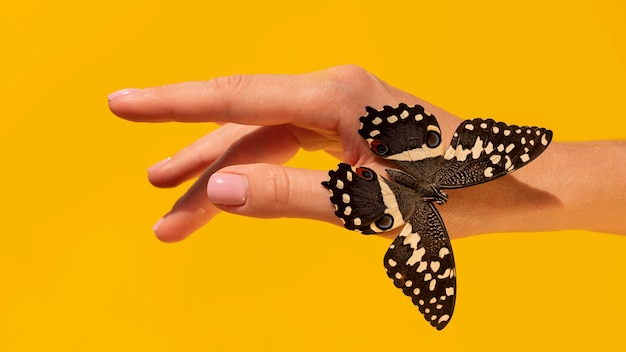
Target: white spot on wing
{"points": [[509, 147], [377, 121], [416, 256], [449, 153], [445, 274], [443, 252], [488, 172], [524, 158], [508, 163], [469, 127], [489, 148], [477, 149], [434, 266], [357, 221], [392, 119], [347, 211], [404, 114], [339, 184], [374, 133], [412, 240], [461, 154], [544, 140], [392, 262], [345, 198]]}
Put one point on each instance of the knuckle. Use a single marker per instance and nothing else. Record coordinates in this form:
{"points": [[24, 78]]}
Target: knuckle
{"points": [[229, 85], [279, 195], [351, 83]]}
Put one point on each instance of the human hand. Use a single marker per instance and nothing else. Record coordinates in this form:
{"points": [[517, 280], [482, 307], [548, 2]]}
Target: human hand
{"points": [[265, 120]]}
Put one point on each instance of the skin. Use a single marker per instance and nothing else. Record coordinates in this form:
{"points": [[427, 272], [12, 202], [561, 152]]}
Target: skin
{"points": [[266, 119]]}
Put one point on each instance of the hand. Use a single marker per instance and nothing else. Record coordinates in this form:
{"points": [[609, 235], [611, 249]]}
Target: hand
{"points": [[266, 119]]}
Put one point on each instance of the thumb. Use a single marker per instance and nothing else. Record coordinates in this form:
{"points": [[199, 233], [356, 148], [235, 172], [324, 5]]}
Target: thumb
{"points": [[271, 191]]}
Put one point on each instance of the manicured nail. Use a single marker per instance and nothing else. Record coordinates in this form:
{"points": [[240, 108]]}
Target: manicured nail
{"points": [[156, 225], [227, 189], [122, 93], [159, 164]]}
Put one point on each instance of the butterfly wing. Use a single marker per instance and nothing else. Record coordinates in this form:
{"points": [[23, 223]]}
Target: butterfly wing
{"points": [[407, 136], [366, 202], [421, 264], [483, 150]]}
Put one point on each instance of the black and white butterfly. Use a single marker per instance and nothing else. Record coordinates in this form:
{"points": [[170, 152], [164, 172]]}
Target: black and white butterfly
{"points": [[420, 260]]}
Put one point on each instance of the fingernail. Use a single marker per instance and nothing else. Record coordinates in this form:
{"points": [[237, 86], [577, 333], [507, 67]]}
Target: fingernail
{"points": [[156, 225], [122, 93], [159, 164], [227, 189]]}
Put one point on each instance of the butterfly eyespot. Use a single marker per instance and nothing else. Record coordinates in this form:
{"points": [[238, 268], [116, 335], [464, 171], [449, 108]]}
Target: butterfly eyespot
{"points": [[385, 223], [366, 173], [433, 139], [379, 148]]}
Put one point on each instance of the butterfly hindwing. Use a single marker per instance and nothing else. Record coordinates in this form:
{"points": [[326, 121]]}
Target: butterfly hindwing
{"points": [[421, 264], [407, 136], [483, 150]]}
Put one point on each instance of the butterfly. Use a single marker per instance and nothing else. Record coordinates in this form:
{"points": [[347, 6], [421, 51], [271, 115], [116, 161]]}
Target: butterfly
{"points": [[420, 260]]}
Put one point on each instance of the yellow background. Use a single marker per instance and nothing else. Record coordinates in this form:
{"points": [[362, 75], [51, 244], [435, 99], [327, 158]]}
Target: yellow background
{"points": [[80, 269]]}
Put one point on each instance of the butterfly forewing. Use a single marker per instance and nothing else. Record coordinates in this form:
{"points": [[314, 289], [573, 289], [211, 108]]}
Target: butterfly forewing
{"points": [[407, 136], [366, 202], [483, 150], [421, 264]]}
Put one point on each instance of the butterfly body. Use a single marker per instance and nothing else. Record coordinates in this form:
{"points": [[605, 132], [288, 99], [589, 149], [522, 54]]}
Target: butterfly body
{"points": [[420, 260]]}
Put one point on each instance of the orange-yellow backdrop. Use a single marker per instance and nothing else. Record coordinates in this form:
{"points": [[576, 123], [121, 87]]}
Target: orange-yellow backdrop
{"points": [[80, 269]]}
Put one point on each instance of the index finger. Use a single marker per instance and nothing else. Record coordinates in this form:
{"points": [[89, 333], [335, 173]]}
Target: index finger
{"points": [[253, 99]]}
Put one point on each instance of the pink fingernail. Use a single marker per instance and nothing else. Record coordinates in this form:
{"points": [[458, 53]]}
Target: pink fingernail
{"points": [[122, 93], [227, 189]]}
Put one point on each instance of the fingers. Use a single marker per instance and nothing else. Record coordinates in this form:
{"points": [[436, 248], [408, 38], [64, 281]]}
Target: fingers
{"points": [[273, 144], [194, 159], [257, 190]]}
